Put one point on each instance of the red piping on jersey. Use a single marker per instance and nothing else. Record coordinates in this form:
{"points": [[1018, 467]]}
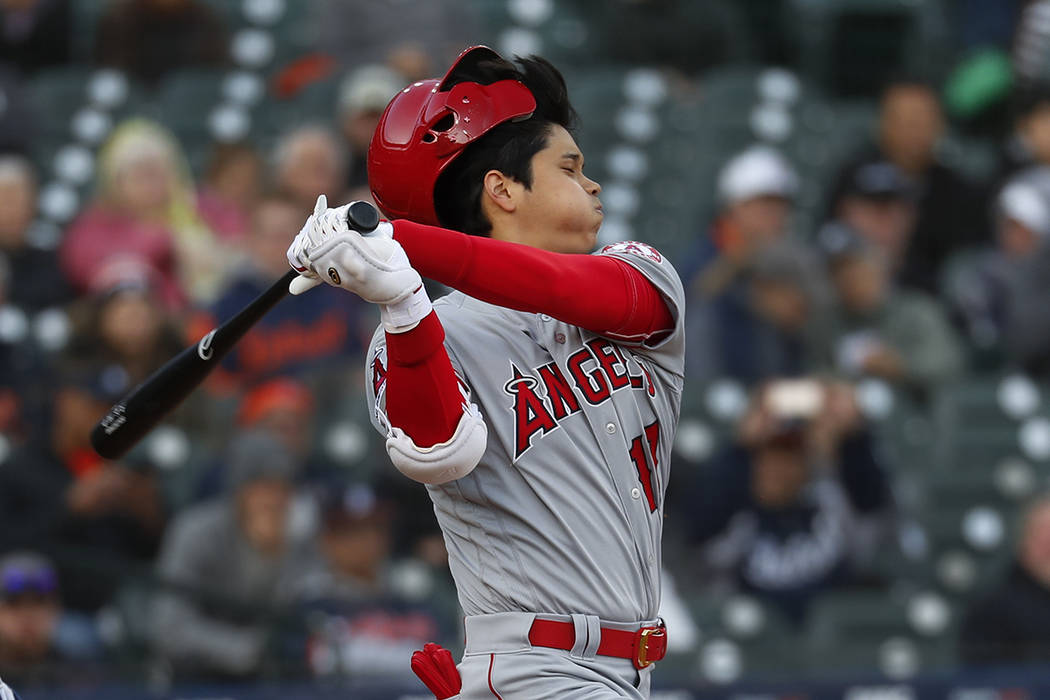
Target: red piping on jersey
{"points": [[492, 661], [596, 292]]}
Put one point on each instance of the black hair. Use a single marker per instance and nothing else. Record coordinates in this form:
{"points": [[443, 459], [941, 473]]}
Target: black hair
{"points": [[509, 147]]}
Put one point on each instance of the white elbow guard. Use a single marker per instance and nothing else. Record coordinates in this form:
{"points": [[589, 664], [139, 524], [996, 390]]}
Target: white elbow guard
{"points": [[445, 461]]}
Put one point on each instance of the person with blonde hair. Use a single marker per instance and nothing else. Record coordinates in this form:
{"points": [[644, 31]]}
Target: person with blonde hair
{"points": [[145, 207]]}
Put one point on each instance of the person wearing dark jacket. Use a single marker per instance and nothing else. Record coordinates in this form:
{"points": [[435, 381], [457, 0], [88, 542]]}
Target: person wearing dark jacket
{"points": [[97, 519], [950, 210], [1011, 625], [299, 334], [799, 503]]}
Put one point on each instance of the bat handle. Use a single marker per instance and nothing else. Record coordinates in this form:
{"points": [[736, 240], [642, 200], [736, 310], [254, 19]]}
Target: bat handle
{"points": [[362, 217]]}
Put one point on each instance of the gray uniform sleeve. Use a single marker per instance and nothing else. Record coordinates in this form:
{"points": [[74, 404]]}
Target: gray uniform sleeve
{"points": [[669, 351]]}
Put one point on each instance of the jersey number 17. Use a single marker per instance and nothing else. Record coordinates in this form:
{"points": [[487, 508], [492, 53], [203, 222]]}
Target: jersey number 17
{"points": [[649, 439]]}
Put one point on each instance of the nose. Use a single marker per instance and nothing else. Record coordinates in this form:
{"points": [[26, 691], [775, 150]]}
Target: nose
{"points": [[591, 186]]}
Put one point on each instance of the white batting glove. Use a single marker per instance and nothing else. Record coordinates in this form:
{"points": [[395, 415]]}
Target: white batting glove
{"points": [[373, 266]]}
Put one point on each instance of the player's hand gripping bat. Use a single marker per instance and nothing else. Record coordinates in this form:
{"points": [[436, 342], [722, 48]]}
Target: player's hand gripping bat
{"points": [[147, 404]]}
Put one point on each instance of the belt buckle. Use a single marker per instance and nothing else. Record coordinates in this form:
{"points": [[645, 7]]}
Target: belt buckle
{"points": [[642, 640]]}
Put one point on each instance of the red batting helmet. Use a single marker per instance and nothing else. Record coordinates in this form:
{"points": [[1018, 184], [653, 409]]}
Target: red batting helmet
{"points": [[427, 125]]}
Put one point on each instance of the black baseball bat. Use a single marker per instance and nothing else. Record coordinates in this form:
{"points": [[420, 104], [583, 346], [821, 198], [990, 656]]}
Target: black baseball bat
{"points": [[129, 420]]}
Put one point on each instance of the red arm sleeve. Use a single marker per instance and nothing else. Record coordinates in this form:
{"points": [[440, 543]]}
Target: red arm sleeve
{"points": [[422, 391], [599, 293]]}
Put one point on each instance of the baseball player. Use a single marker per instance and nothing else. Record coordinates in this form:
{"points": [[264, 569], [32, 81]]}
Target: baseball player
{"points": [[537, 401]]}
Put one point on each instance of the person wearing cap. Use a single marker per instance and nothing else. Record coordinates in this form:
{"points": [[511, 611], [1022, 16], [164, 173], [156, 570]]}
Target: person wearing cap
{"points": [[946, 210], [878, 201], [58, 495], [223, 562], [388, 607], [881, 330], [797, 503], [363, 95], [756, 190], [1000, 292], [283, 408], [983, 286], [40, 641]]}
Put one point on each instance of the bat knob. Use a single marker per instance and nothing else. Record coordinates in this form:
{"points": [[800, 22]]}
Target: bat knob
{"points": [[362, 217]]}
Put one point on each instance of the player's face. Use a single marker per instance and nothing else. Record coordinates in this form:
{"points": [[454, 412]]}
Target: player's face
{"points": [[561, 211]]}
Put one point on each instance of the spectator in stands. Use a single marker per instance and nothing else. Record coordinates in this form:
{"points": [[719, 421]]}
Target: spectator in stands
{"points": [[300, 336], [27, 288], [790, 294], [225, 561], [35, 34], [99, 519], [1010, 626], [755, 192], [146, 208], [232, 185], [123, 323], [949, 210], [881, 330], [411, 37], [800, 501], [1028, 144], [283, 408], [40, 641], [309, 161], [149, 39], [987, 288], [352, 580], [363, 95], [878, 201]]}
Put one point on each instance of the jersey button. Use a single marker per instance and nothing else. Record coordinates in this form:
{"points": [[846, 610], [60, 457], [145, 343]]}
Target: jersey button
{"points": [[636, 493], [544, 317], [610, 428]]}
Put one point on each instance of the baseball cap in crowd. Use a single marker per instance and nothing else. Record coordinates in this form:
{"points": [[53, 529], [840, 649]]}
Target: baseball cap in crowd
{"points": [[368, 89], [878, 179], [1026, 204], [27, 573], [281, 393], [348, 505], [755, 172], [256, 456]]}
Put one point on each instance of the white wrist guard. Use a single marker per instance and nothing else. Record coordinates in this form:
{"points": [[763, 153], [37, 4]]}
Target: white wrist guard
{"points": [[404, 315], [445, 461]]}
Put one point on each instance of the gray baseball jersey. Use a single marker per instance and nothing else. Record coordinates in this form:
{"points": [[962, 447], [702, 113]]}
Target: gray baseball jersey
{"points": [[564, 513]]}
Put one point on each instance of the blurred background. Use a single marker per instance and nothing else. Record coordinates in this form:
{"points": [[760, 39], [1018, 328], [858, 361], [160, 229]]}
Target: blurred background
{"points": [[855, 192]]}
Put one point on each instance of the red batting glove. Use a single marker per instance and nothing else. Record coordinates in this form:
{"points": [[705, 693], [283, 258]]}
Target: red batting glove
{"points": [[437, 670]]}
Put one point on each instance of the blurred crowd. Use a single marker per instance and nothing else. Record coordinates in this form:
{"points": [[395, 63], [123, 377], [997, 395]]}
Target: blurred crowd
{"points": [[261, 531]]}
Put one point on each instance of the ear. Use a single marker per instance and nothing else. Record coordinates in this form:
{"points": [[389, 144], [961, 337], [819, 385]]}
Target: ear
{"points": [[500, 190]]}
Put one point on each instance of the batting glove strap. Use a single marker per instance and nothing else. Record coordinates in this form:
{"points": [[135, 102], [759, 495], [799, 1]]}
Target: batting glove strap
{"points": [[445, 461], [406, 314]]}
